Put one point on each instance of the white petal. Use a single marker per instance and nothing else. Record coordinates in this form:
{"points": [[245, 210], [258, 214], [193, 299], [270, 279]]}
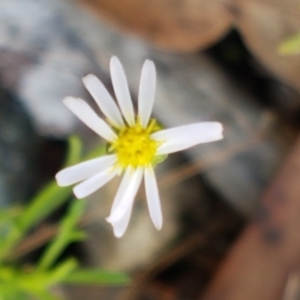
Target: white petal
{"points": [[86, 114], [121, 89], [94, 183], [103, 99], [120, 226], [122, 188], [183, 137], [84, 170], [147, 92], [125, 195], [153, 198]]}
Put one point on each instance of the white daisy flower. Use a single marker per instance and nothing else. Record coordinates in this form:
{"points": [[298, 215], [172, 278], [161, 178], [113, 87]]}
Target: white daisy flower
{"points": [[136, 143]]}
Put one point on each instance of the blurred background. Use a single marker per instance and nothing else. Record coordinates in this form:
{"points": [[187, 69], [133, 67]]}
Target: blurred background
{"points": [[216, 60]]}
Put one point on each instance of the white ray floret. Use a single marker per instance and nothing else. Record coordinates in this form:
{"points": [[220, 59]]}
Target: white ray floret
{"points": [[153, 198], [121, 210], [146, 92], [183, 137], [85, 113], [94, 183], [103, 99], [134, 143], [84, 170], [121, 89]]}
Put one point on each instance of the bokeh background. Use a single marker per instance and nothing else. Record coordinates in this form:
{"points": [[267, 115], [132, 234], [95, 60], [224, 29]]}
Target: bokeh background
{"points": [[216, 60]]}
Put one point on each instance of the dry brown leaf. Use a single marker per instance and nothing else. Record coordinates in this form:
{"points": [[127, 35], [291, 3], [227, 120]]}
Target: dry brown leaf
{"points": [[259, 264], [188, 25], [183, 25], [264, 25]]}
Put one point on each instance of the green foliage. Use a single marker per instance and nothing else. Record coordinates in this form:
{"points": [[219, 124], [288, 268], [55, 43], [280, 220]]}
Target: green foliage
{"points": [[92, 276], [290, 46], [66, 235], [18, 281]]}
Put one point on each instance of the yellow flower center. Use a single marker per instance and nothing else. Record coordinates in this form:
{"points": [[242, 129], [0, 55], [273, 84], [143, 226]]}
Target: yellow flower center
{"points": [[134, 146]]}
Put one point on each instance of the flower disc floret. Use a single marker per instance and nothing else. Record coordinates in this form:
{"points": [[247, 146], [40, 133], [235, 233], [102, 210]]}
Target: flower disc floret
{"points": [[134, 147]]}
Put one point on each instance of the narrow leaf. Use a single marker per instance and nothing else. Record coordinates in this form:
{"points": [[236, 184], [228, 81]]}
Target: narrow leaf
{"points": [[62, 271], [66, 234], [44, 203], [291, 46], [96, 276]]}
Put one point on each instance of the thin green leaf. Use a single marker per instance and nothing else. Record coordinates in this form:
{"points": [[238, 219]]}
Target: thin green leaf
{"points": [[10, 213], [290, 46], [96, 276], [52, 196], [78, 236], [8, 219], [97, 152], [74, 150], [62, 271], [44, 295], [9, 291], [49, 199], [66, 234], [44, 203]]}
